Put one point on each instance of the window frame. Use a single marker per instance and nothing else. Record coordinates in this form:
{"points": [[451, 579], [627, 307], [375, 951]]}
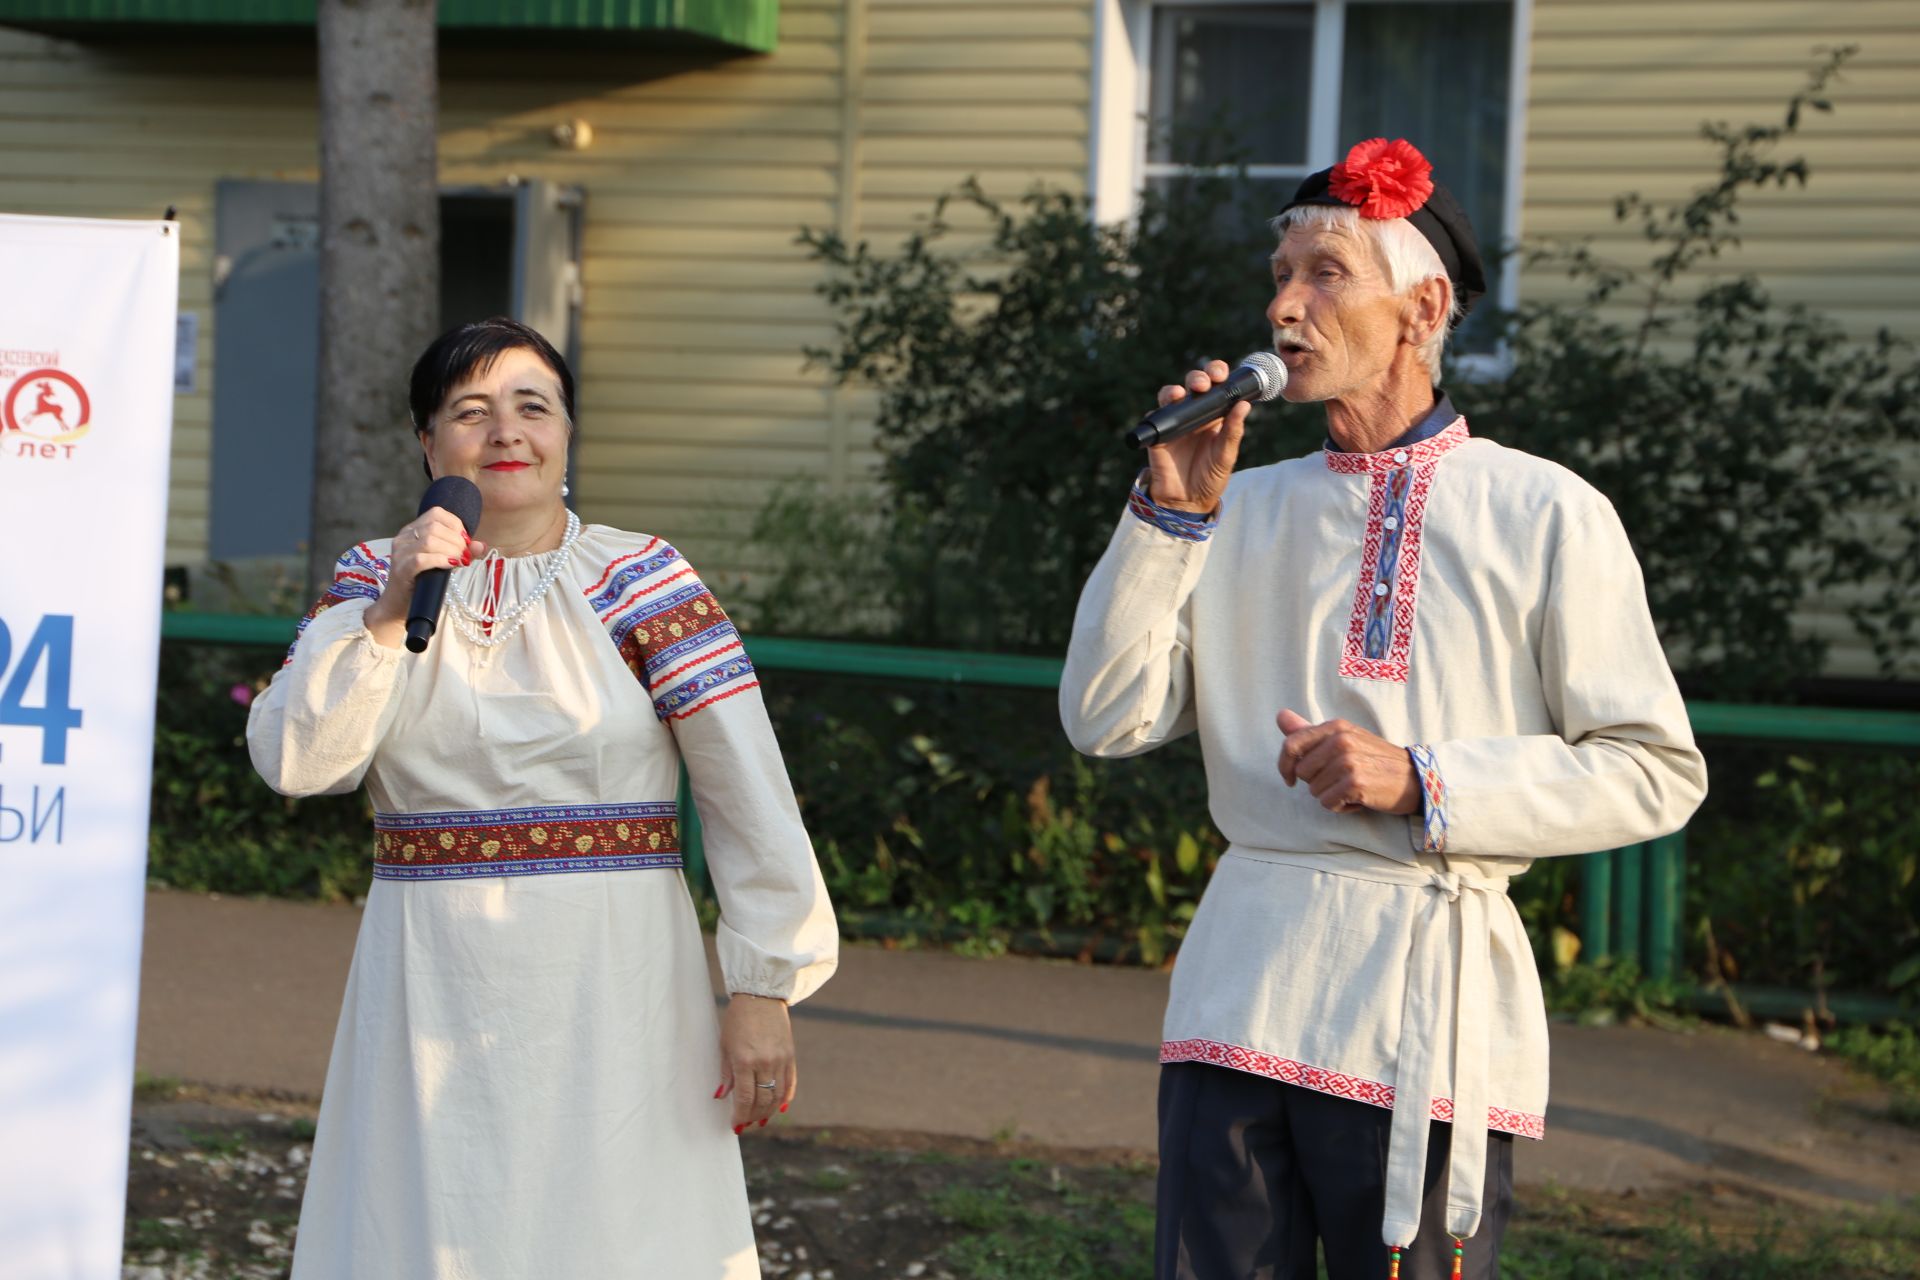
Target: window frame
{"points": [[1118, 170]]}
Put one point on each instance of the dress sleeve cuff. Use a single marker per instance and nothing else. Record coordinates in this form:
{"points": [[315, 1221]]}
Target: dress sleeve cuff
{"points": [[1432, 834], [1185, 525]]}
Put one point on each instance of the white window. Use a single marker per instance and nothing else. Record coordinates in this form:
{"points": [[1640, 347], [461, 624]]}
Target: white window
{"points": [[1289, 87]]}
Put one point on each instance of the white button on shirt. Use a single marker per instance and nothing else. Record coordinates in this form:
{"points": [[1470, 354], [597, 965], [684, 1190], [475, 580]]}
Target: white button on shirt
{"points": [[1401, 457]]}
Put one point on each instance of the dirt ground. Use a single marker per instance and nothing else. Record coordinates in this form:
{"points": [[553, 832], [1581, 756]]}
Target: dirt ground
{"points": [[216, 1178]]}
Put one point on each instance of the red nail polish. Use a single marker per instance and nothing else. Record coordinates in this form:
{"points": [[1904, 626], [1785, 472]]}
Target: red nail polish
{"points": [[453, 562], [737, 1128], [763, 1124], [467, 559], [722, 1089], [783, 1108]]}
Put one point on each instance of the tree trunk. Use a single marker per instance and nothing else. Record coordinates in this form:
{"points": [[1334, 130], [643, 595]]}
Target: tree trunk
{"points": [[379, 265]]}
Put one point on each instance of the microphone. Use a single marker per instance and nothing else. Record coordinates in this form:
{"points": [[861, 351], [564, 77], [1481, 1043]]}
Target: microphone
{"points": [[459, 496], [1259, 378]]}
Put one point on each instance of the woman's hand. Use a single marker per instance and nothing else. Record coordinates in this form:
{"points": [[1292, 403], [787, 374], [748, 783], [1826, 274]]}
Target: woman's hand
{"points": [[437, 540], [1191, 473], [756, 1050]]}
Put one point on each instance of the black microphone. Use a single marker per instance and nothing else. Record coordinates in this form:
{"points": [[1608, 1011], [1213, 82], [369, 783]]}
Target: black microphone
{"points": [[1259, 378], [459, 496]]}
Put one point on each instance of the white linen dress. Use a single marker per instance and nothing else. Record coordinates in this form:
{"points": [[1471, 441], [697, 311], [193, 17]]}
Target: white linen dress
{"points": [[522, 1083]]}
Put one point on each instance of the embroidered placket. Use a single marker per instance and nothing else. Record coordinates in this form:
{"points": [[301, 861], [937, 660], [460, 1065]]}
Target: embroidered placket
{"points": [[1379, 641]]}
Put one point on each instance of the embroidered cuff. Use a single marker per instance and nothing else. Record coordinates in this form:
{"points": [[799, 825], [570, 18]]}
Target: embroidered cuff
{"points": [[1185, 525], [1433, 798]]}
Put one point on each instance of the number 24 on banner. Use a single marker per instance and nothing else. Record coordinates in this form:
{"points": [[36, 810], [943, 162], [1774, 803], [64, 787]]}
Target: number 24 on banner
{"points": [[50, 647]]}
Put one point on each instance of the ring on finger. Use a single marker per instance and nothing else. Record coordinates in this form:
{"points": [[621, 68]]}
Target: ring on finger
{"points": [[765, 1084]]}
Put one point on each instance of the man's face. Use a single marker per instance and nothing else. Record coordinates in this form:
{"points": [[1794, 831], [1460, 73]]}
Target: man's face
{"points": [[1336, 324]]}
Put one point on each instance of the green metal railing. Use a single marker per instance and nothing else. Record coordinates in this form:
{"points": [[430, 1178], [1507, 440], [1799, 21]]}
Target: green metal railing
{"points": [[1631, 898]]}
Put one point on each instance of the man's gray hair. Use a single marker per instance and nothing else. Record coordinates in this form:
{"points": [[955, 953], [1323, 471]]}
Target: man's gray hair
{"points": [[1408, 259]]}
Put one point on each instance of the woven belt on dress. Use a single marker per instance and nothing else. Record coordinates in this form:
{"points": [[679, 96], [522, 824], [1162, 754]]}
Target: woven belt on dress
{"points": [[523, 842], [1439, 982]]}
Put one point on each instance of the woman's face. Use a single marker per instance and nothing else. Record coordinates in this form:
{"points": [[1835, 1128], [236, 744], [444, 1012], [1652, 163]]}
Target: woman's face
{"points": [[504, 427]]}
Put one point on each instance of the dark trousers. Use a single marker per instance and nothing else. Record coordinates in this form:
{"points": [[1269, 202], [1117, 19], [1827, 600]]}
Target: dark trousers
{"points": [[1253, 1172]]}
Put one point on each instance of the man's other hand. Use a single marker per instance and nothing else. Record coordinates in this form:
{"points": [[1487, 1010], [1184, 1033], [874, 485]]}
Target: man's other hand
{"points": [[1347, 768]]}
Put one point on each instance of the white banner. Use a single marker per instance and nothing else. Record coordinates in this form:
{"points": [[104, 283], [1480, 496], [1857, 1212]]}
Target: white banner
{"points": [[86, 407]]}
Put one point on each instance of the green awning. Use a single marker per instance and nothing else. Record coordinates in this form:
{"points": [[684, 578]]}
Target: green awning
{"points": [[750, 25]]}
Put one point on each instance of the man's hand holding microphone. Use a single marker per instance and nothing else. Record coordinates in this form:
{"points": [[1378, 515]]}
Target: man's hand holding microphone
{"points": [[1190, 472]]}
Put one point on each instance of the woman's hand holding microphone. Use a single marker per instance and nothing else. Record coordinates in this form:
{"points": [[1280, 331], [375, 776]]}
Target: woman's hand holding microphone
{"points": [[434, 540]]}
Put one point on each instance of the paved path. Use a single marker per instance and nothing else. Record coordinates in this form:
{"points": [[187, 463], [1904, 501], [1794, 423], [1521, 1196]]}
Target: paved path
{"points": [[245, 994]]}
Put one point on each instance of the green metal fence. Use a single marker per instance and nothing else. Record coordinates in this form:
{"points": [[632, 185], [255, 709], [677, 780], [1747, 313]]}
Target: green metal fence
{"points": [[1631, 899]]}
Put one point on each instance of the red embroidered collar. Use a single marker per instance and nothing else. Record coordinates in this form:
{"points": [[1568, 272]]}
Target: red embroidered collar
{"points": [[1432, 449]]}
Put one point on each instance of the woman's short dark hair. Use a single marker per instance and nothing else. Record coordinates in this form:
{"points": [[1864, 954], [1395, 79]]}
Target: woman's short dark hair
{"points": [[456, 354]]}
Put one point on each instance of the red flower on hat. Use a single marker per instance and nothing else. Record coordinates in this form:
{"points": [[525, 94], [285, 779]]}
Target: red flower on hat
{"points": [[1383, 179]]}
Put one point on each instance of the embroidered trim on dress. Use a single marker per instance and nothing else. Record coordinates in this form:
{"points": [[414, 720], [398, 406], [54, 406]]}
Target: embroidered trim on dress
{"points": [[1379, 643], [626, 571], [521, 842], [357, 575], [672, 633], [1520, 1123], [1184, 525], [1433, 798]]}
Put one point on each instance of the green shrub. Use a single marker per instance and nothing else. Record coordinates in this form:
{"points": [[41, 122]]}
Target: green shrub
{"points": [[1750, 448], [1805, 865], [1006, 374], [962, 814], [215, 825]]}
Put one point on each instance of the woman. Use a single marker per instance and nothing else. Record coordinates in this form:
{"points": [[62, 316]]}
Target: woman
{"points": [[525, 1081]]}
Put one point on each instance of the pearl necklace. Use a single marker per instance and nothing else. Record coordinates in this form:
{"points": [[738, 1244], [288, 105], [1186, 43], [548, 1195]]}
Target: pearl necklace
{"points": [[491, 629]]}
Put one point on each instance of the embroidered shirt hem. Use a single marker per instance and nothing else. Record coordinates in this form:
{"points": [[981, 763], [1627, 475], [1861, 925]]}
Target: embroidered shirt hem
{"points": [[1522, 1124]]}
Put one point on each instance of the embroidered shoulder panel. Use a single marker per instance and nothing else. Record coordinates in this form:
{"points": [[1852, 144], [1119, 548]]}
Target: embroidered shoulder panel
{"points": [[357, 575], [672, 633], [1379, 642]]}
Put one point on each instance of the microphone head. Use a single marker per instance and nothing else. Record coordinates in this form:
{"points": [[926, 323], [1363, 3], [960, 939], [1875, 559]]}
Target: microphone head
{"points": [[1272, 374], [456, 494]]}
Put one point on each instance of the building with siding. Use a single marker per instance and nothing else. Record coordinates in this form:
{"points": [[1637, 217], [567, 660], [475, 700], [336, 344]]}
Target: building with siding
{"points": [[643, 176]]}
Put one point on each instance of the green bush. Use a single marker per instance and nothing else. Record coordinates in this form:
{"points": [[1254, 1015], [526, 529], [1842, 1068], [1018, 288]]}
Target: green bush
{"points": [[1006, 374], [1803, 865], [215, 825], [1750, 448], [962, 814]]}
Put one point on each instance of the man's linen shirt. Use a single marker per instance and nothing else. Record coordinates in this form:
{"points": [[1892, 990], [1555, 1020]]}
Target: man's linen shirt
{"points": [[1472, 602]]}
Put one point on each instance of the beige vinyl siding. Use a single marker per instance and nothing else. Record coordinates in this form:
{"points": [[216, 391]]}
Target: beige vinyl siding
{"points": [[1617, 92], [694, 396]]}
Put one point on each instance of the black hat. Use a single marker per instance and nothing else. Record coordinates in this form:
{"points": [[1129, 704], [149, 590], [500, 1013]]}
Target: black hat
{"points": [[1383, 179]]}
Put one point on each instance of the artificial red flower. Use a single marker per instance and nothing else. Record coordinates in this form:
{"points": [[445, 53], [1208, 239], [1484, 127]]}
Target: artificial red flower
{"points": [[1383, 179]]}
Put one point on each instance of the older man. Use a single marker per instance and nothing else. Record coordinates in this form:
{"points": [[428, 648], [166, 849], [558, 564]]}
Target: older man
{"points": [[1417, 661]]}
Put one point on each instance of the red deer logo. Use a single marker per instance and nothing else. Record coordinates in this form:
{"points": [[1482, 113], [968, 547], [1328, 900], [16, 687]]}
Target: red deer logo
{"points": [[47, 404]]}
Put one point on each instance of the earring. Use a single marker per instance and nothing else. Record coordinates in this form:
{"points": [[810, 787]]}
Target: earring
{"points": [[565, 488]]}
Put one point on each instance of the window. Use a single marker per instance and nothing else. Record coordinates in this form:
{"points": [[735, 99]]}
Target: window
{"points": [[1291, 86]]}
